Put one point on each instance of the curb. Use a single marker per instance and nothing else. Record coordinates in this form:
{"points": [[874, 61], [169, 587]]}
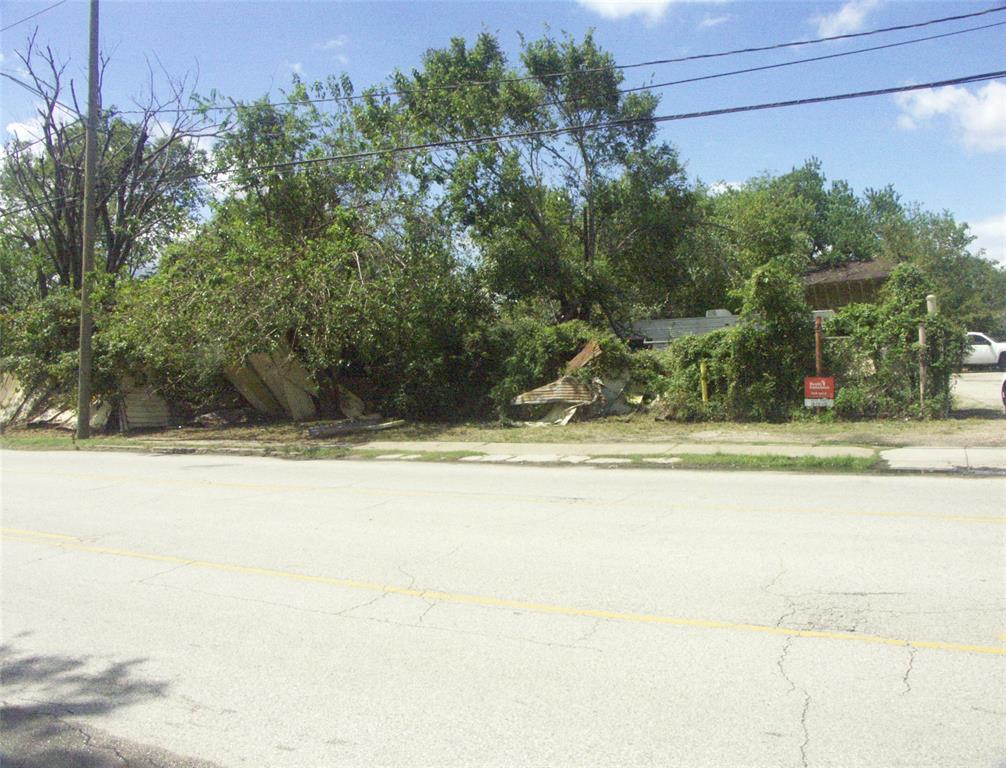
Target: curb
{"points": [[709, 459]]}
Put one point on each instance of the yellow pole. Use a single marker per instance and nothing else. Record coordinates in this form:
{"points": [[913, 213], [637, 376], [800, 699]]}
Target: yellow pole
{"points": [[705, 382]]}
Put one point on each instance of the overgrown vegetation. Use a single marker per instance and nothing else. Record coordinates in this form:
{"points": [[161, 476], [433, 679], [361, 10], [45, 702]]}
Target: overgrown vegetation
{"points": [[439, 284], [755, 369], [878, 360]]}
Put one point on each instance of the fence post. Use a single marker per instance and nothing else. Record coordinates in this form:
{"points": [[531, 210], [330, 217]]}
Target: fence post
{"points": [[705, 382]]}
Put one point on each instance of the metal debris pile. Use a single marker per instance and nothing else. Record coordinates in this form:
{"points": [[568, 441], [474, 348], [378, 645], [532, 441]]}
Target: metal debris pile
{"points": [[574, 397]]}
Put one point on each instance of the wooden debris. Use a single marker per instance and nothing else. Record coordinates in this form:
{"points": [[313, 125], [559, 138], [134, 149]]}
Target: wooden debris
{"points": [[286, 379], [353, 426], [351, 406], [143, 408], [590, 351], [252, 389]]}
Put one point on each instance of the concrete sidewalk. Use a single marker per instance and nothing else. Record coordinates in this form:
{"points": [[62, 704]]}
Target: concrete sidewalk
{"points": [[910, 459]]}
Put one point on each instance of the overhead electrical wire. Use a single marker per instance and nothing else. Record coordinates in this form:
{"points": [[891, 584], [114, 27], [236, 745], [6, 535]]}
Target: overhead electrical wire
{"points": [[653, 62], [32, 89], [32, 16], [748, 70], [489, 138]]}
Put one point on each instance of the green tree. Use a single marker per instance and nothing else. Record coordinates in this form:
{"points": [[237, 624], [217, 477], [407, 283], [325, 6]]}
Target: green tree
{"points": [[582, 210], [970, 288], [338, 261]]}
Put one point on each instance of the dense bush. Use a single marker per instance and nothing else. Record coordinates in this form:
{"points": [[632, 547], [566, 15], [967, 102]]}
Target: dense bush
{"points": [[877, 365], [755, 369], [40, 344], [40, 341], [407, 332]]}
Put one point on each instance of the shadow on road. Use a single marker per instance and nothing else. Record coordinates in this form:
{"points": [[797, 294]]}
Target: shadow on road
{"points": [[41, 730]]}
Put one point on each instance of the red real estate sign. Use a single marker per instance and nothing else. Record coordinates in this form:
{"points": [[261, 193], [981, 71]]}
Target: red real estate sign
{"points": [[819, 391]]}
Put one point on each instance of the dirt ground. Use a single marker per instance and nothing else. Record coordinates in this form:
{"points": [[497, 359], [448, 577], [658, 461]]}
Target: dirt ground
{"points": [[970, 428]]}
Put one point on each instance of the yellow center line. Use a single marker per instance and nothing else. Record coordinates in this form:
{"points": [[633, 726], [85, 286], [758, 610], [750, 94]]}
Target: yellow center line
{"points": [[73, 543], [506, 497]]}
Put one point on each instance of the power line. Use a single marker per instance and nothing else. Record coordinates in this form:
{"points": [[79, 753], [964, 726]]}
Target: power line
{"points": [[23, 208], [654, 62], [32, 16], [32, 89], [491, 138], [746, 70], [749, 70], [815, 41], [613, 124]]}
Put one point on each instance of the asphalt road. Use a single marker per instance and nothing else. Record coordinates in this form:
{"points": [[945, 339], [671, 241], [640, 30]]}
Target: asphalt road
{"points": [[978, 390], [192, 611]]}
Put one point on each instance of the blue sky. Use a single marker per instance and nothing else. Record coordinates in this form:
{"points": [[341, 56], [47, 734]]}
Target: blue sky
{"points": [[945, 149]]}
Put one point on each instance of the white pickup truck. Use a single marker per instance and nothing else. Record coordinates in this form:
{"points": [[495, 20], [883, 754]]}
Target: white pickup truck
{"points": [[983, 350]]}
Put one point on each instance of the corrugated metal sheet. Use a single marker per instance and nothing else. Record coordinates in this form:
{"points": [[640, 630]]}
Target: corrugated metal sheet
{"points": [[564, 390], [661, 330], [12, 399], [852, 272], [144, 409]]}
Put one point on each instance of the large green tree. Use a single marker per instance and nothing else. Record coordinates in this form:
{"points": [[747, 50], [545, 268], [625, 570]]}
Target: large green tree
{"points": [[581, 208]]}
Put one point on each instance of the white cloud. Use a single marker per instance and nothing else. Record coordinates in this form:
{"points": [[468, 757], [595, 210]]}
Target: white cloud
{"points": [[991, 235], [25, 130], [851, 17], [653, 10], [979, 117], [30, 129], [714, 21], [333, 44], [296, 67], [721, 187]]}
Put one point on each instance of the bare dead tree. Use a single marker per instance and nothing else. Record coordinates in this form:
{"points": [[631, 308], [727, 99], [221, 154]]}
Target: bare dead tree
{"points": [[148, 186]]}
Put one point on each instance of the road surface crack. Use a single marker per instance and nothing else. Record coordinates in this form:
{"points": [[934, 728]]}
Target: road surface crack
{"points": [[806, 732], [790, 602], [345, 611], [908, 670], [781, 664], [782, 661], [430, 605], [87, 737], [447, 555], [409, 576], [590, 632], [145, 579], [989, 711]]}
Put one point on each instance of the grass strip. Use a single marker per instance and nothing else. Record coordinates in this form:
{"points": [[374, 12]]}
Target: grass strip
{"points": [[778, 463]]}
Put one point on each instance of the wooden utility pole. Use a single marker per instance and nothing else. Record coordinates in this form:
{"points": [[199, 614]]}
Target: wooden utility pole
{"points": [[818, 346], [87, 246]]}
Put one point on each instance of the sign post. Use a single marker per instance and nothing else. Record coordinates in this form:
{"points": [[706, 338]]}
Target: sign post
{"points": [[818, 346]]}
